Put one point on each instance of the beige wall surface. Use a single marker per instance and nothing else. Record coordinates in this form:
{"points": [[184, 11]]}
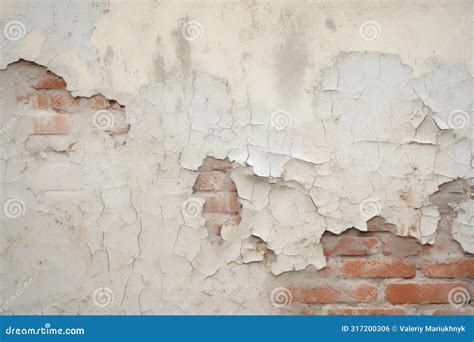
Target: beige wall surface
{"points": [[200, 157]]}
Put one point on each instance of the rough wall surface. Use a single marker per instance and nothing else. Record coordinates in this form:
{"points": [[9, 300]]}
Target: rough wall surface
{"points": [[239, 158]]}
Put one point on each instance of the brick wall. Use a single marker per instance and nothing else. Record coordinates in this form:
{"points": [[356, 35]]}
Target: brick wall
{"points": [[373, 272], [215, 185], [46, 107], [377, 272]]}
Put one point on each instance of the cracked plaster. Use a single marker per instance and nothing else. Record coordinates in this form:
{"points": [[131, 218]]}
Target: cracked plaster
{"points": [[360, 128]]}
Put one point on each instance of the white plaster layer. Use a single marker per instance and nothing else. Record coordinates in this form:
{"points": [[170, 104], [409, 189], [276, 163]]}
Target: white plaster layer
{"points": [[323, 137]]}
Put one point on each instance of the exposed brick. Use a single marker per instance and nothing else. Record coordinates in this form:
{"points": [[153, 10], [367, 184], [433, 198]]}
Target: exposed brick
{"points": [[310, 312], [378, 268], [120, 127], [327, 294], [377, 224], [51, 124], [451, 269], [228, 204], [216, 220], [211, 164], [445, 245], [35, 100], [350, 245], [222, 204], [115, 105], [367, 311], [420, 293], [63, 101], [452, 312], [49, 81], [214, 181], [400, 247], [99, 102]]}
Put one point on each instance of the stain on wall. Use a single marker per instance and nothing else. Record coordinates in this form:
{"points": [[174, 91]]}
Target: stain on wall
{"points": [[248, 158]]}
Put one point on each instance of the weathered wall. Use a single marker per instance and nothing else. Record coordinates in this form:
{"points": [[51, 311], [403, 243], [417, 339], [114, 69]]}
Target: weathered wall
{"points": [[253, 157]]}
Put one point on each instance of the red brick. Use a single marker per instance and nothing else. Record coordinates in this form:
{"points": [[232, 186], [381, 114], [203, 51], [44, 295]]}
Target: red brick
{"points": [[451, 269], [354, 293], [63, 101], [51, 124], [228, 204], [367, 311], [49, 81], [214, 181], [350, 245], [453, 312], [211, 164], [420, 293], [378, 268], [35, 100], [401, 247], [310, 312], [216, 220], [99, 102], [377, 224]]}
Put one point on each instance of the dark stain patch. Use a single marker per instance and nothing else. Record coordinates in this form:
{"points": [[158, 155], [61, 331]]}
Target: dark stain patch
{"points": [[159, 65], [291, 59], [404, 196], [182, 48], [450, 194], [413, 229], [178, 107], [159, 62], [109, 55], [330, 24]]}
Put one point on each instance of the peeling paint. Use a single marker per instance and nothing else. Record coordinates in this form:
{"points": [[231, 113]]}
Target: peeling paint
{"points": [[107, 199]]}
